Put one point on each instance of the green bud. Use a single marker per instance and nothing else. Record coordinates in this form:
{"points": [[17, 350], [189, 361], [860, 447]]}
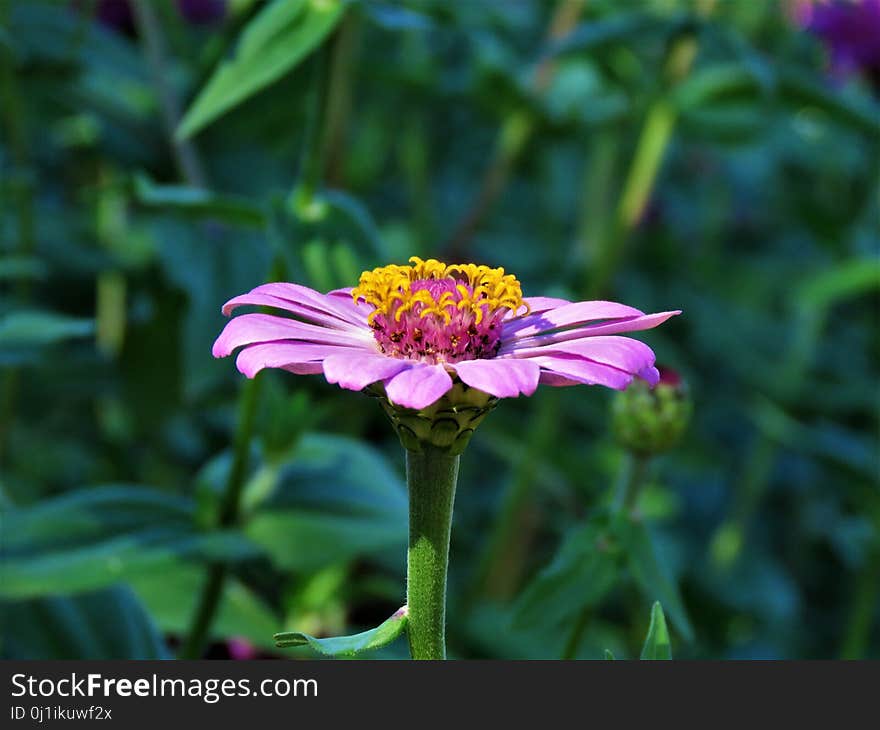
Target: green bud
{"points": [[446, 425], [649, 421]]}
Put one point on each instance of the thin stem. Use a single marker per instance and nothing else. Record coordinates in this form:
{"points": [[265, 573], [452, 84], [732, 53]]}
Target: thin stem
{"points": [[13, 117], [339, 97], [577, 634], [515, 132], [499, 570], [311, 171], [653, 143], [431, 476], [631, 482], [185, 155], [212, 591], [861, 614]]}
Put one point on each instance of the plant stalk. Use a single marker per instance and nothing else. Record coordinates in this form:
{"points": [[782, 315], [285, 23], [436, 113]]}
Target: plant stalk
{"points": [[212, 591], [431, 476]]}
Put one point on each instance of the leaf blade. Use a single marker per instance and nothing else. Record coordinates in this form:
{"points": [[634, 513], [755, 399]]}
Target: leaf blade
{"points": [[337, 646], [657, 644], [273, 43]]}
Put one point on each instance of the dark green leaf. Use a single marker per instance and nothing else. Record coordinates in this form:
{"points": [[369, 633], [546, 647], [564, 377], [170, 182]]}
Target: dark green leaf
{"points": [[96, 537], [581, 574], [657, 645], [274, 42], [652, 577], [171, 595], [334, 499], [34, 328], [798, 88], [383, 634], [106, 624], [198, 203]]}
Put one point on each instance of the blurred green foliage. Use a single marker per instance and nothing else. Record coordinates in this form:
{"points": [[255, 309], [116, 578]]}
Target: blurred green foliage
{"points": [[662, 153]]}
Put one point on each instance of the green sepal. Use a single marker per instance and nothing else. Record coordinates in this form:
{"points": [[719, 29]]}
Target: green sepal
{"points": [[339, 646], [657, 644], [446, 425]]}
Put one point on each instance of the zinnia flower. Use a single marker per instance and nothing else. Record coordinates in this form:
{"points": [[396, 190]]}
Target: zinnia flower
{"points": [[417, 331]]}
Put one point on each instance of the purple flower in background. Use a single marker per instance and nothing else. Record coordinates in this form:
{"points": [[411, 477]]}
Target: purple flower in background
{"points": [[850, 30], [414, 329], [116, 15], [202, 12]]}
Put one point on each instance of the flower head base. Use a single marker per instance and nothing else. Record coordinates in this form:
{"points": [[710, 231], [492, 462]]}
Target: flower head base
{"points": [[436, 313], [445, 425]]}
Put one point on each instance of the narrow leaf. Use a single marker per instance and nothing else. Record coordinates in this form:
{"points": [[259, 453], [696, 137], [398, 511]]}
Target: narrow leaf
{"points": [[383, 634], [653, 578], [34, 328], [198, 203], [272, 44], [657, 644]]}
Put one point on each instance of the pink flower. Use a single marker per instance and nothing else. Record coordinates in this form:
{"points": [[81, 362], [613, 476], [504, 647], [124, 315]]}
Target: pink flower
{"points": [[416, 328]]}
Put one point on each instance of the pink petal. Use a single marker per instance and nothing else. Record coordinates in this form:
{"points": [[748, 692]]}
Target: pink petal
{"points": [[419, 386], [631, 324], [568, 315], [650, 375], [254, 358], [623, 353], [584, 371], [356, 370], [501, 378], [305, 302], [538, 305], [247, 329]]}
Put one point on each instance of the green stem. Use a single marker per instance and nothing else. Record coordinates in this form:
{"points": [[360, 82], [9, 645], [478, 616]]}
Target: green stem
{"points": [[431, 476], [499, 570], [632, 479], [513, 136], [185, 155], [577, 633], [212, 591], [311, 171]]}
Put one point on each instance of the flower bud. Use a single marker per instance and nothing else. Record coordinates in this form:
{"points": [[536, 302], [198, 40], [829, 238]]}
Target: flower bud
{"points": [[649, 421]]}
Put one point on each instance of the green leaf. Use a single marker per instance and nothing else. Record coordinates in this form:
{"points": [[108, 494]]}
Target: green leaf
{"points": [[106, 624], [619, 28], [583, 571], [95, 537], [35, 328], [333, 500], [719, 82], [652, 577], [609, 655], [845, 280], [198, 203], [657, 645], [798, 88], [272, 44], [382, 635], [21, 267], [171, 595]]}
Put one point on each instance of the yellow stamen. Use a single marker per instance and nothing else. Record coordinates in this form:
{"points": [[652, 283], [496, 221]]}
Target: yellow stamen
{"points": [[482, 290]]}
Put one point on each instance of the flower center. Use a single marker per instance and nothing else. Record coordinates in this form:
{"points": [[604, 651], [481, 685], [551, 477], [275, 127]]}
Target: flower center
{"points": [[434, 312]]}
